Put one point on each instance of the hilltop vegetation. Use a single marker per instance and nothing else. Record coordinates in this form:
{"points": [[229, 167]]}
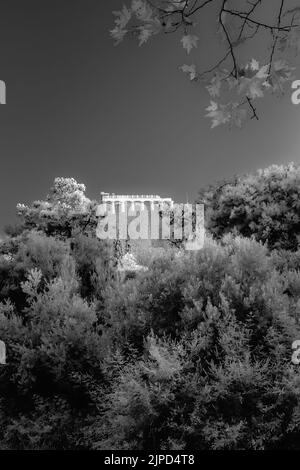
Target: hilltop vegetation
{"points": [[265, 204], [192, 354]]}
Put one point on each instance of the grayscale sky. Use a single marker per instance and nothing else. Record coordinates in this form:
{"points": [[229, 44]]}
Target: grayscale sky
{"points": [[119, 119]]}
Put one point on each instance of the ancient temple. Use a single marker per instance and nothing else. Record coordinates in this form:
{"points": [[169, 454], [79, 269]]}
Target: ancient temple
{"points": [[132, 200]]}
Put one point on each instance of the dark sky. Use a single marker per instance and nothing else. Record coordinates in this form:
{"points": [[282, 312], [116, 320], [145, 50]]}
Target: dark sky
{"points": [[119, 119]]}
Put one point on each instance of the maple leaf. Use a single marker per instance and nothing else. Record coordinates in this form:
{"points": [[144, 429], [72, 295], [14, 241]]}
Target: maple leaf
{"points": [[122, 17], [254, 65], [189, 41], [251, 87], [219, 114], [281, 72], [283, 69], [145, 34], [238, 114], [142, 10], [213, 106], [190, 69], [263, 72], [148, 30], [118, 34], [230, 113], [254, 87], [214, 87]]}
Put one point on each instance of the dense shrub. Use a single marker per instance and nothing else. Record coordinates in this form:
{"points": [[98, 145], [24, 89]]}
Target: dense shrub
{"points": [[194, 353]]}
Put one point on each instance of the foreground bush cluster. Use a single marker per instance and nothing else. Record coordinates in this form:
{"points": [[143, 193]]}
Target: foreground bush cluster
{"points": [[193, 354]]}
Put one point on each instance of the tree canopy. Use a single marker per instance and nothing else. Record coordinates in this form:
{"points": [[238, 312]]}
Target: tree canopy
{"points": [[235, 80], [264, 205]]}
